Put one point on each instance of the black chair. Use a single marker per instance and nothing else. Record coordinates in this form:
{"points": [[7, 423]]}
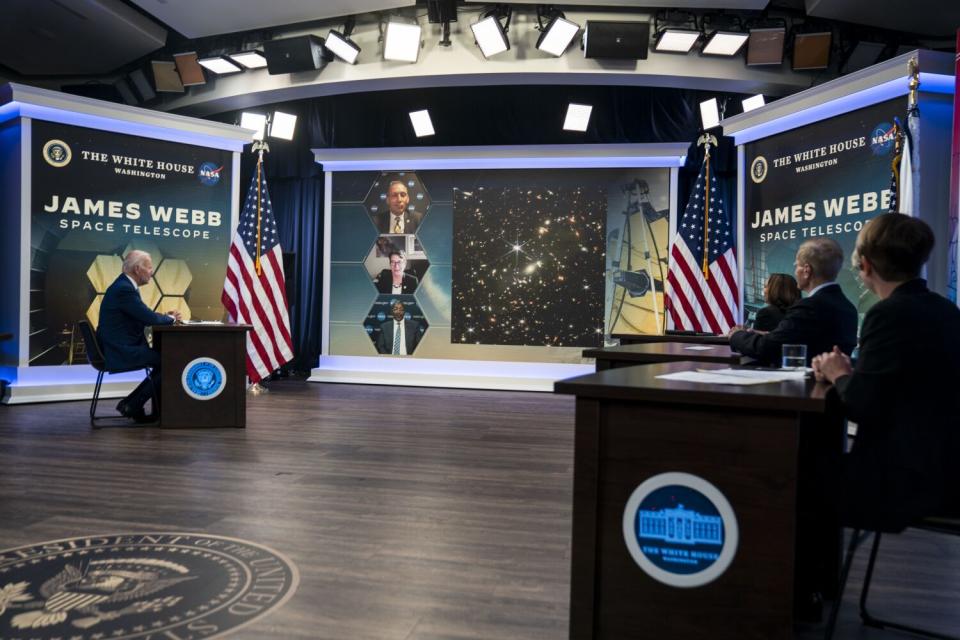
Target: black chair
{"points": [[97, 360], [943, 525]]}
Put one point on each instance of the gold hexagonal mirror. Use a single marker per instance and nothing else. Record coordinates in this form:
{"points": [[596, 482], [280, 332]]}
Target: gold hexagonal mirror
{"points": [[93, 312], [103, 271], [175, 303], [173, 277], [150, 294]]}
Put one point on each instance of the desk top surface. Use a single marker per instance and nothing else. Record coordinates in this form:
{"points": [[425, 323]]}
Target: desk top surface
{"points": [[671, 350], [644, 338], [640, 383], [194, 327]]}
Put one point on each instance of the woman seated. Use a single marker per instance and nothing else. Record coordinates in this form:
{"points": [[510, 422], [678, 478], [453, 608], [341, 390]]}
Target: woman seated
{"points": [[779, 293]]}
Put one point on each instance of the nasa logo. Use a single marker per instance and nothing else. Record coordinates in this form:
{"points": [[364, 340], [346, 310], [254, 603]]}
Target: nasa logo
{"points": [[882, 139], [204, 378], [57, 153], [209, 173], [138, 585], [680, 530]]}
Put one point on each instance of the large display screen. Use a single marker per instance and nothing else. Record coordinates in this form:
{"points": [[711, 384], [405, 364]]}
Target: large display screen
{"points": [[823, 180], [94, 196], [519, 265]]}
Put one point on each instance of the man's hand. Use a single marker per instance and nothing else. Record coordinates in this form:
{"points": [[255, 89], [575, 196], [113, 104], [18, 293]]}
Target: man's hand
{"points": [[830, 366], [735, 328], [176, 315]]}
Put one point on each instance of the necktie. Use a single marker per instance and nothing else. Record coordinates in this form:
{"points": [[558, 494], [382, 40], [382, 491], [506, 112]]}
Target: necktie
{"points": [[396, 338], [396, 225]]}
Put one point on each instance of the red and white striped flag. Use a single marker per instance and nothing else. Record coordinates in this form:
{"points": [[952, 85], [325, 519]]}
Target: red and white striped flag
{"points": [[254, 291], [702, 283]]}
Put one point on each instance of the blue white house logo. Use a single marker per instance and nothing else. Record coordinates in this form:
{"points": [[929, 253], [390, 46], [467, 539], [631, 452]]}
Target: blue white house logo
{"points": [[209, 173], [204, 378], [882, 139], [680, 529]]}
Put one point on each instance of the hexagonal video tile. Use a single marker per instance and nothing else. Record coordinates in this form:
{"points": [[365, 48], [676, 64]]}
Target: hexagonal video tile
{"points": [[387, 268], [396, 193], [390, 312]]}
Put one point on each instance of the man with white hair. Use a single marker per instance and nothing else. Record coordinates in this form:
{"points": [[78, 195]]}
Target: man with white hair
{"points": [[123, 317]]}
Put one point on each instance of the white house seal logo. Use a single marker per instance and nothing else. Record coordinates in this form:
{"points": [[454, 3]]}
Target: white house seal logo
{"points": [[57, 153], [140, 585], [680, 530], [758, 169], [204, 378]]}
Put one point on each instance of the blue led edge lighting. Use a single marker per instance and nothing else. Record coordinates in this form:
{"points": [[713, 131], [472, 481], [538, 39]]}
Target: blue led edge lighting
{"points": [[15, 109], [470, 368], [929, 83], [604, 162]]}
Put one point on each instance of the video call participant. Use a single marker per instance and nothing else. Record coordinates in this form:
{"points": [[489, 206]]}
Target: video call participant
{"points": [[398, 218], [821, 320], [902, 391], [779, 292], [399, 336], [123, 317], [396, 279]]}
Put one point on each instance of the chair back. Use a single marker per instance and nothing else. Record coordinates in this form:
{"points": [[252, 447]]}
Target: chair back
{"points": [[94, 352]]}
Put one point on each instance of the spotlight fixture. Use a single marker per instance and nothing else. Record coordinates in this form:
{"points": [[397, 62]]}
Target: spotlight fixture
{"points": [[250, 59], [401, 41], [165, 76], [677, 31], [753, 102], [557, 35], [491, 34], [342, 46], [811, 50], [282, 125], [189, 69], [422, 124], [724, 43], [578, 117], [255, 121], [765, 46], [709, 114], [220, 65]]}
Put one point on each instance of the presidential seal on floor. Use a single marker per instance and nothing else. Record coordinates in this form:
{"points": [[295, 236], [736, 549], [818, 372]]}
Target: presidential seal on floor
{"points": [[138, 585]]}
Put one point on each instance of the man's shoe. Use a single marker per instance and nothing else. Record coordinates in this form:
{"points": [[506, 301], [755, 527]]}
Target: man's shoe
{"points": [[136, 414]]}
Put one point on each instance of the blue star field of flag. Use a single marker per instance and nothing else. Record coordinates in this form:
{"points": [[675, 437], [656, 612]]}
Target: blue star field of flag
{"points": [[528, 266], [691, 226], [248, 220]]}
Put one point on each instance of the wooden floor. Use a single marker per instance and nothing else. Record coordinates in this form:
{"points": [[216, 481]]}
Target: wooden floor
{"points": [[410, 513]]}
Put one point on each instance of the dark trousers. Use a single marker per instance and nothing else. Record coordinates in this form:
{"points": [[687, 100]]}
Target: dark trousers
{"points": [[150, 386]]}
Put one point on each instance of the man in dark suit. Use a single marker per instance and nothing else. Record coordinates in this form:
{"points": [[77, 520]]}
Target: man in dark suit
{"points": [[399, 336], [821, 320], [902, 391], [395, 279], [123, 317], [398, 218]]}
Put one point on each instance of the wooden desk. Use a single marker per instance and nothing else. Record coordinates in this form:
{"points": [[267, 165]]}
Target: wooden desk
{"points": [[659, 352], [743, 440], [181, 346]]}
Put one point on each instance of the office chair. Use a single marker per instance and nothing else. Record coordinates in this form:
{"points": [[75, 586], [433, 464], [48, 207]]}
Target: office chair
{"points": [[97, 360], [936, 524]]}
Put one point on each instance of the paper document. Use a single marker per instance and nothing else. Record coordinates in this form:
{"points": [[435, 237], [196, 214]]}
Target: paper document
{"points": [[734, 376], [205, 322], [699, 348]]}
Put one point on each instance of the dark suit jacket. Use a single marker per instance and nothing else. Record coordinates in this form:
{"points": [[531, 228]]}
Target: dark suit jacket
{"points": [[384, 282], [412, 332], [411, 221], [903, 396], [123, 316], [821, 321], [768, 318]]}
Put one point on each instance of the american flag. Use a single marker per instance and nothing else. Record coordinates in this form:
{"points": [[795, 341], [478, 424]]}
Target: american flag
{"points": [[254, 291], [702, 282]]}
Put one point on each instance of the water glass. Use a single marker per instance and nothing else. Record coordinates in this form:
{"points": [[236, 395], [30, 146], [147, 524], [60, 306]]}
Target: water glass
{"points": [[794, 356]]}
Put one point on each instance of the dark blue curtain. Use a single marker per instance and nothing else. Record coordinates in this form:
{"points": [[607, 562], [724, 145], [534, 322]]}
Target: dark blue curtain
{"points": [[462, 116]]}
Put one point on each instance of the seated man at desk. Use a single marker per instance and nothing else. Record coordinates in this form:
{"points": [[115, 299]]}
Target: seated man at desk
{"points": [[902, 391], [821, 320], [123, 317]]}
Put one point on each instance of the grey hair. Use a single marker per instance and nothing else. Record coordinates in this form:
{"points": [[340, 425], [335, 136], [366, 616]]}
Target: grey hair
{"points": [[824, 256], [134, 259]]}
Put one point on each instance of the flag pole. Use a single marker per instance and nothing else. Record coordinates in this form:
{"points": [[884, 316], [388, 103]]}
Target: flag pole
{"points": [[259, 146], [707, 139]]}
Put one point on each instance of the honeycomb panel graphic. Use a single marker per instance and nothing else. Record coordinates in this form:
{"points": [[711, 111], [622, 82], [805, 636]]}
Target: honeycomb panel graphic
{"points": [[415, 265], [379, 324], [93, 311], [103, 271], [378, 205], [175, 303], [173, 277]]}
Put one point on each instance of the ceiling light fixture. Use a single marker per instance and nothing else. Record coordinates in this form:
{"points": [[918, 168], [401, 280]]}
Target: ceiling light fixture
{"points": [[401, 41], [339, 43], [676, 31], [491, 34], [558, 34], [578, 117], [249, 59], [220, 65], [282, 125], [724, 43], [422, 124], [765, 43], [753, 102], [255, 121], [709, 113]]}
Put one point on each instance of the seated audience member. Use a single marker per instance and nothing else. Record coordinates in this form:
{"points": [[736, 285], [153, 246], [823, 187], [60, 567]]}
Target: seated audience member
{"points": [[902, 392], [821, 320], [395, 279], [779, 292], [123, 317]]}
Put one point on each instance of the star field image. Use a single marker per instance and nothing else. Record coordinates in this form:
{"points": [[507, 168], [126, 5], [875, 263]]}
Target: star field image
{"points": [[528, 266]]}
